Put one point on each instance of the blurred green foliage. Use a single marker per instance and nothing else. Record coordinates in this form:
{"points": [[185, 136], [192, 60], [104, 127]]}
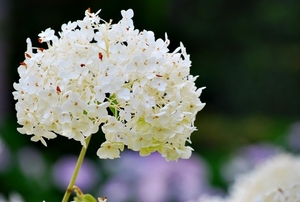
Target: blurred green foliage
{"points": [[246, 53]]}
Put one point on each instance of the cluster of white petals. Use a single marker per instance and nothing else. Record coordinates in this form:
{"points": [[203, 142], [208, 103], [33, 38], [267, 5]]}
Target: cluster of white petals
{"points": [[277, 180], [286, 194], [99, 74]]}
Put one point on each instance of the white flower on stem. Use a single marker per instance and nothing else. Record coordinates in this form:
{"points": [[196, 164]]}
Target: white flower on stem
{"points": [[127, 15], [140, 140], [66, 28], [40, 134], [47, 35], [96, 73], [110, 150], [159, 84], [93, 17]]}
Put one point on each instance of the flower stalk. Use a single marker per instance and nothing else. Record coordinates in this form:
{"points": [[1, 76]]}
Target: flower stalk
{"points": [[69, 189]]}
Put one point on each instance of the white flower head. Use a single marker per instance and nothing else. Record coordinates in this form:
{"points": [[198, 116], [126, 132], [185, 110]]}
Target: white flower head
{"points": [[98, 73], [277, 180]]}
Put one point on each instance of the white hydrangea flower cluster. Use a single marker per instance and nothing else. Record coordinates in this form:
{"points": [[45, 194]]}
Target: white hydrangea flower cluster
{"points": [[277, 180], [97, 73]]}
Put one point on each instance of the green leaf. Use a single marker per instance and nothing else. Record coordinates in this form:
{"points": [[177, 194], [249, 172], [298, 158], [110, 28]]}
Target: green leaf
{"points": [[80, 197], [89, 198], [114, 104], [85, 198]]}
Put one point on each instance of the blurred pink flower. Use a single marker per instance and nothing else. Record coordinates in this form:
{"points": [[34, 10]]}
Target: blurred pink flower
{"points": [[32, 163], [152, 179], [87, 178]]}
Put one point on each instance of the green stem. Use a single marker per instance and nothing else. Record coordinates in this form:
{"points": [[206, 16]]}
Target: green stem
{"points": [[69, 189]]}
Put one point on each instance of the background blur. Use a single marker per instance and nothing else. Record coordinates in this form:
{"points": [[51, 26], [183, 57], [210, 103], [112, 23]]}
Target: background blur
{"points": [[247, 54]]}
